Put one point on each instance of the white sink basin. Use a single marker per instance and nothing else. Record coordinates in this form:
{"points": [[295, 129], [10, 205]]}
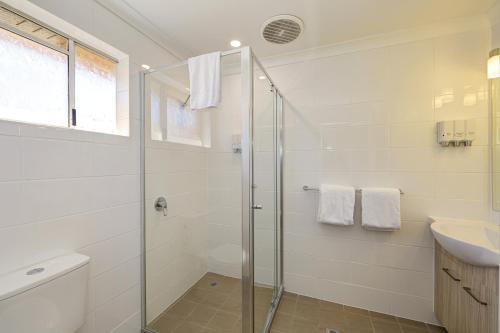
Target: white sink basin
{"points": [[475, 242]]}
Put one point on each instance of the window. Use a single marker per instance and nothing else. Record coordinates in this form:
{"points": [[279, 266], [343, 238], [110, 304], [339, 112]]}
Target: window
{"points": [[95, 91], [172, 119], [186, 126], [50, 79], [33, 81], [157, 130]]}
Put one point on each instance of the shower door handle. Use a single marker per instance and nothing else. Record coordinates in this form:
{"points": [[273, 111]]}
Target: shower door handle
{"points": [[257, 206]]}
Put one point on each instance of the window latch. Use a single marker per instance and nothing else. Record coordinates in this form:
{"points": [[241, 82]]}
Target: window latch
{"points": [[73, 117]]}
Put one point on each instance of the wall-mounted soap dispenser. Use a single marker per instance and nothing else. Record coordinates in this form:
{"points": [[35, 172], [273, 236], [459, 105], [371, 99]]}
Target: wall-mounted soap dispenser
{"points": [[456, 132], [446, 131]]}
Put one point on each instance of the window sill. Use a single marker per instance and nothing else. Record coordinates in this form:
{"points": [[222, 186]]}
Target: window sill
{"points": [[16, 128], [170, 145], [189, 142]]}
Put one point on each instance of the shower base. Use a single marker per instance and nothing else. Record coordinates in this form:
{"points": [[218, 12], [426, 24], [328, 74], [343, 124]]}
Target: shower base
{"points": [[213, 304]]}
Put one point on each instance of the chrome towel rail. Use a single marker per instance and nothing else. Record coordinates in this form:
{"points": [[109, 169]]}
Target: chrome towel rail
{"points": [[310, 188]]}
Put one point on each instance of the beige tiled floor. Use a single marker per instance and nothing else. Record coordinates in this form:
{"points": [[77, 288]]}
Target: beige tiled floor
{"points": [[205, 308], [217, 308], [300, 314]]}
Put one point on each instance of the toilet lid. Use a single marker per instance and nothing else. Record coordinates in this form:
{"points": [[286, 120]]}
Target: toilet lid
{"points": [[27, 278]]}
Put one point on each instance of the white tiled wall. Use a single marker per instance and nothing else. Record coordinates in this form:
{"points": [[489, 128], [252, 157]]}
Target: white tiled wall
{"points": [[176, 244], [367, 118], [495, 29], [224, 183], [63, 190]]}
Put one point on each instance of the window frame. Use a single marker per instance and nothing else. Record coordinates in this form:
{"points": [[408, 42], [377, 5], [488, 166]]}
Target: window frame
{"points": [[70, 52]]}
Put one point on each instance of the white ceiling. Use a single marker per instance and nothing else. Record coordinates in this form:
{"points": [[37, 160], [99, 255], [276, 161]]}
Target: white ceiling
{"points": [[200, 26]]}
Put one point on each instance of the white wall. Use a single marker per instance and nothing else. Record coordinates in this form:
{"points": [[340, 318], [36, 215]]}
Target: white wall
{"points": [[62, 190], [176, 244], [495, 37], [494, 17], [224, 182], [367, 118]]}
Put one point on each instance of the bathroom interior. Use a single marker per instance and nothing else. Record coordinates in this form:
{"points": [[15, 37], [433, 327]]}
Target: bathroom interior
{"points": [[228, 166]]}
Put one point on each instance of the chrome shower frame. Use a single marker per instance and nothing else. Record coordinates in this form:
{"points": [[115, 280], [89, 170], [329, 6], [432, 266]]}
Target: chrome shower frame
{"points": [[247, 138]]}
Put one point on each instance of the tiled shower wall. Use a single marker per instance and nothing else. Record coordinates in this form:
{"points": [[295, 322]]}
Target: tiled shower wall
{"points": [[176, 244], [64, 190], [224, 183], [368, 118], [175, 240]]}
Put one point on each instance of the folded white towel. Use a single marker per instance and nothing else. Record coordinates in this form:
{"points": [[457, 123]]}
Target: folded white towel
{"points": [[204, 80], [381, 208], [336, 204]]}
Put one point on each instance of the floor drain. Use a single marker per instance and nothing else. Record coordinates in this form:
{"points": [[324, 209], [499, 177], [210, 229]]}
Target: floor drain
{"points": [[332, 330], [213, 284], [35, 271]]}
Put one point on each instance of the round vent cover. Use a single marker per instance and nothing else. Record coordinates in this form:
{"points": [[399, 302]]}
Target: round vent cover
{"points": [[282, 29]]}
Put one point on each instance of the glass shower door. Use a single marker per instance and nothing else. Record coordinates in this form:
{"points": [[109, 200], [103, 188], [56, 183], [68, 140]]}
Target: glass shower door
{"points": [[266, 198]]}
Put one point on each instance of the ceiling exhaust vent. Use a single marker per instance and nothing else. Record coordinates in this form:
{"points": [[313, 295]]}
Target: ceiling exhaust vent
{"points": [[282, 29]]}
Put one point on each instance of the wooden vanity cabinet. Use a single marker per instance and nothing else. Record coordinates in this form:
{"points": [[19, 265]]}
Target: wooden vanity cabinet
{"points": [[466, 296]]}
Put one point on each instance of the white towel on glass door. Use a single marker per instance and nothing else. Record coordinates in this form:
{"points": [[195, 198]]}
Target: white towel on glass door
{"points": [[380, 208], [336, 204], [204, 80]]}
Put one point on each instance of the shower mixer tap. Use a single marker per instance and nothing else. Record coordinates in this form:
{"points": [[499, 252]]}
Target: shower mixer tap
{"points": [[161, 205]]}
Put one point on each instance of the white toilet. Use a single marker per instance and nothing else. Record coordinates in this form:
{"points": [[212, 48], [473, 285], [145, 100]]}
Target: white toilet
{"points": [[50, 297]]}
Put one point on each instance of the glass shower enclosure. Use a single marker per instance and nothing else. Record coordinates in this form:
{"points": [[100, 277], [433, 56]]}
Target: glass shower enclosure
{"points": [[211, 185]]}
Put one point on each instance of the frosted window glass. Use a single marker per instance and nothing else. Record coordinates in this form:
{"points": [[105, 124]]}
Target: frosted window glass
{"points": [[172, 119], [33, 82], [156, 124], [183, 125], [95, 91]]}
